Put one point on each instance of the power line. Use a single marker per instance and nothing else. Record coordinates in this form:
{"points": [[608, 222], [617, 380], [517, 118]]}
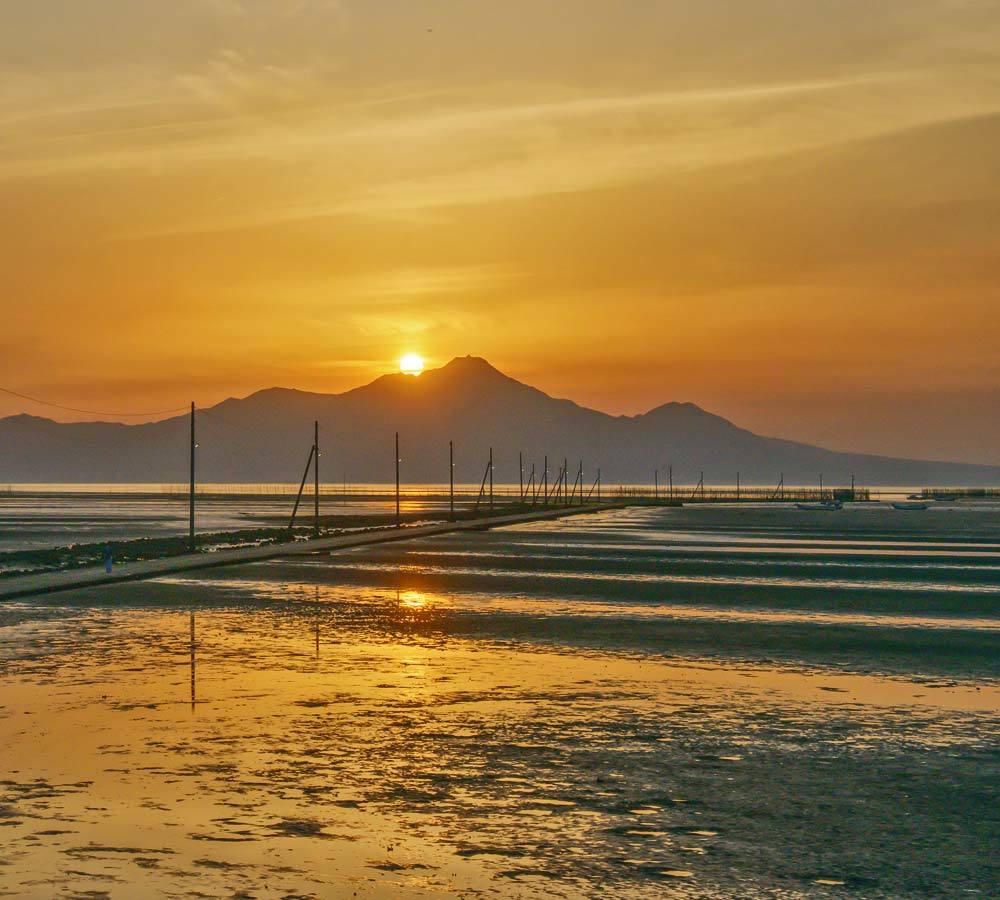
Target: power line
{"points": [[61, 435], [91, 412], [261, 454], [209, 412]]}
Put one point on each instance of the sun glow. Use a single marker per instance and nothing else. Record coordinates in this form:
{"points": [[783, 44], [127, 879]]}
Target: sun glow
{"points": [[414, 600], [411, 364]]}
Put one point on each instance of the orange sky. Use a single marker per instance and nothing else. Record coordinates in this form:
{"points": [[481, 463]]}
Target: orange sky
{"points": [[783, 212]]}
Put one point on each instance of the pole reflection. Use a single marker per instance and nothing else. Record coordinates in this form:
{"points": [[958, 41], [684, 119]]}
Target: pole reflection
{"points": [[193, 690]]}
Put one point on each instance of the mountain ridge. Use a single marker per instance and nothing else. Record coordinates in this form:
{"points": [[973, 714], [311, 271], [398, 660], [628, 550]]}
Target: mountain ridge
{"points": [[265, 437]]}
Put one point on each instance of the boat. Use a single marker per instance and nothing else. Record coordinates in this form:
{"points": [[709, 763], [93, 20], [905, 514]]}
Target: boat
{"points": [[826, 505], [909, 504]]}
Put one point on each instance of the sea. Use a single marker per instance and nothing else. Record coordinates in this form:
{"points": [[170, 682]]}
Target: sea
{"points": [[643, 702]]}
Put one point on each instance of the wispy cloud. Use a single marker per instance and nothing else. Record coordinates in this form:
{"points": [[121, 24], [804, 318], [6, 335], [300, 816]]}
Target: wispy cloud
{"points": [[371, 161]]}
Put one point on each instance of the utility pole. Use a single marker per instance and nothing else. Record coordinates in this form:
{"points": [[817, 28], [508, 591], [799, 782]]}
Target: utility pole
{"points": [[302, 485], [316, 478], [191, 494], [397, 480], [451, 477]]}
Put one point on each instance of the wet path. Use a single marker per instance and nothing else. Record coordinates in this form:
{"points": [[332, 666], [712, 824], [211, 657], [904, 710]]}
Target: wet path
{"points": [[73, 579]]}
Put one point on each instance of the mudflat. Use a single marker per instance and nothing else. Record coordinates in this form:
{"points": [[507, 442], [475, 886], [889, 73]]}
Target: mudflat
{"points": [[637, 703]]}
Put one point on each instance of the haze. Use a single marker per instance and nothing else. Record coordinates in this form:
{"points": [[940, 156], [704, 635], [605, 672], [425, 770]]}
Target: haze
{"points": [[784, 212]]}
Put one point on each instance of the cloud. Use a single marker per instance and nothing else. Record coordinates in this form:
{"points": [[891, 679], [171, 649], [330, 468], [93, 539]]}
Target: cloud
{"points": [[680, 177], [386, 162]]}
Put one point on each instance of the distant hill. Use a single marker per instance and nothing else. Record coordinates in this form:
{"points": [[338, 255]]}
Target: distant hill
{"points": [[266, 437]]}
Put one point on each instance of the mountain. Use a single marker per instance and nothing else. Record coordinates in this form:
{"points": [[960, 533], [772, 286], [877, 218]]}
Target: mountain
{"points": [[266, 438]]}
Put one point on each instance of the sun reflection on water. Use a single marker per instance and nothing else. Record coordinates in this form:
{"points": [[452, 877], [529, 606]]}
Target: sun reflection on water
{"points": [[413, 600]]}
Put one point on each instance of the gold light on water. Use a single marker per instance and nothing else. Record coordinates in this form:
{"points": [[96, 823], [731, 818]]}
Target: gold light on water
{"points": [[413, 600]]}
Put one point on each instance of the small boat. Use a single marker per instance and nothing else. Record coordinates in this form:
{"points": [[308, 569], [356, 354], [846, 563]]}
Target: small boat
{"points": [[826, 505], [909, 504]]}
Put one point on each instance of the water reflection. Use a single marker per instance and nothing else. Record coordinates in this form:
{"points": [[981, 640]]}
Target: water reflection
{"points": [[412, 600], [193, 681], [417, 763], [537, 742]]}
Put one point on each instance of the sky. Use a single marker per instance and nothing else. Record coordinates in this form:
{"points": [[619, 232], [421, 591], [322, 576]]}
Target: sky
{"points": [[782, 210]]}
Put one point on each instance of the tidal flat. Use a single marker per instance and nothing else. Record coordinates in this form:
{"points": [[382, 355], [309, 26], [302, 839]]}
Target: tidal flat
{"points": [[637, 703]]}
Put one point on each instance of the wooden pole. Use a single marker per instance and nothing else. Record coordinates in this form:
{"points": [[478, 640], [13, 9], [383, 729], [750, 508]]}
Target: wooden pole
{"points": [[491, 481], [316, 478], [302, 487], [520, 465], [191, 492], [482, 485], [670, 475], [737, 487], [545, 482], [557, 488], [397, 481], [451, 478]]}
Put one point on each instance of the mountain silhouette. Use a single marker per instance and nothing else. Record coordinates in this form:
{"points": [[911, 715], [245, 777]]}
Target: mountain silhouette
{"points": [[266, 436]]}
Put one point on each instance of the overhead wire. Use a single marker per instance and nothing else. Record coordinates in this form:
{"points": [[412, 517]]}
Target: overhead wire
{"points": [[91, 412], [244, 446]]}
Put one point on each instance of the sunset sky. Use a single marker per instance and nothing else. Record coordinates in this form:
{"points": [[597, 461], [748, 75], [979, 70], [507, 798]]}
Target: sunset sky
{"points": [[786, 212]]}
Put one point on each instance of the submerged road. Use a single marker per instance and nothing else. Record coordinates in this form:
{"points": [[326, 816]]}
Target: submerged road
{"points": [[68, 580]]}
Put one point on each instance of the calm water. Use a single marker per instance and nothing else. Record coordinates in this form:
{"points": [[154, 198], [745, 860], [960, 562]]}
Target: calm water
{"points": [[63, 515], [644, 703]]}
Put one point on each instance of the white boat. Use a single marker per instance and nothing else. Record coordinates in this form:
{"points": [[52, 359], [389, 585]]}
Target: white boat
{"points": [[826, 505], [909, 504]]}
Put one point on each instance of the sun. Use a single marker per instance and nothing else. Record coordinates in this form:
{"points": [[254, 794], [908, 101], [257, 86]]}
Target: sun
{"points": [[411, 364]]}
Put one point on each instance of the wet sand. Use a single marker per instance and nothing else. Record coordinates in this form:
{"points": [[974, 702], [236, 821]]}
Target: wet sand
{"points": [[603, 706]]}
